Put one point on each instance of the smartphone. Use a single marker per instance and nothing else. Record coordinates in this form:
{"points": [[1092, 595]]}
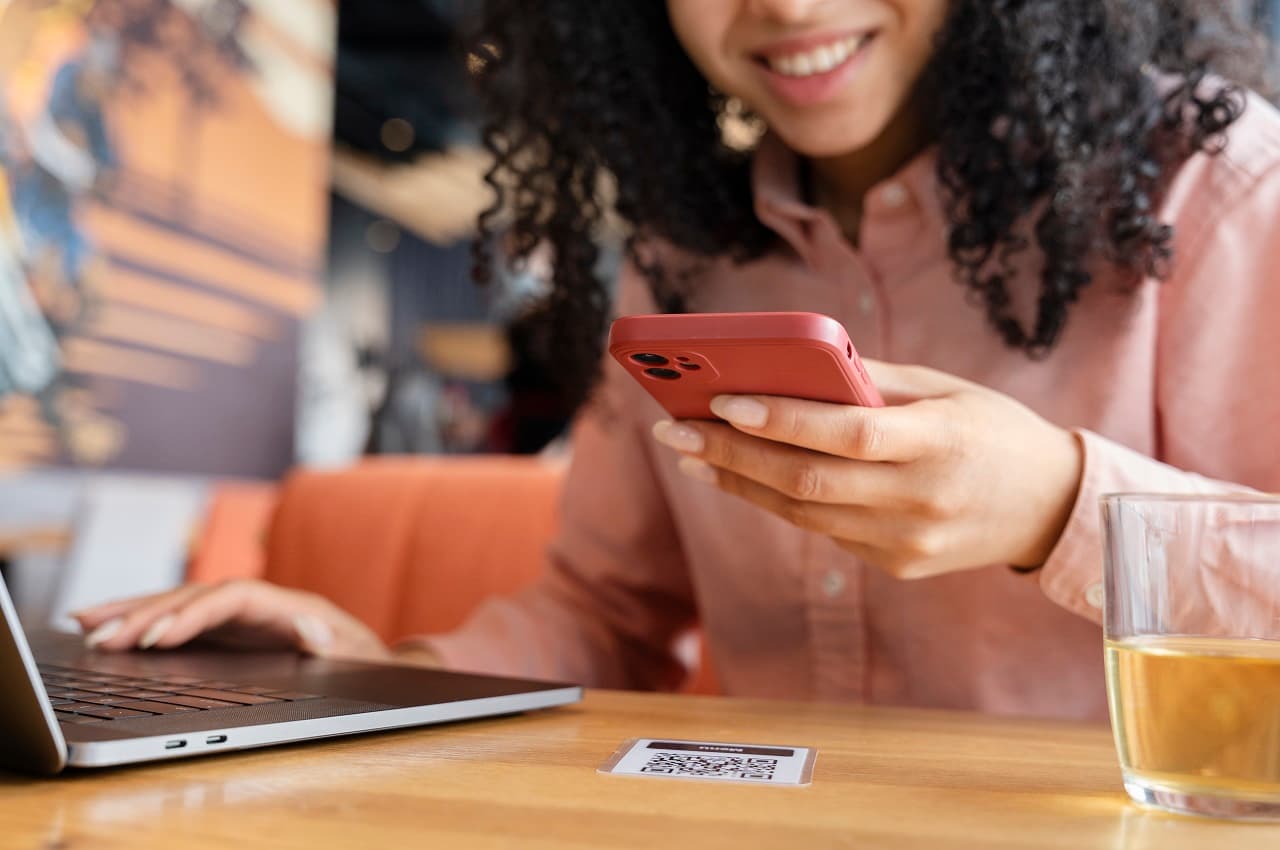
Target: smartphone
{"points": [[686, 360]]}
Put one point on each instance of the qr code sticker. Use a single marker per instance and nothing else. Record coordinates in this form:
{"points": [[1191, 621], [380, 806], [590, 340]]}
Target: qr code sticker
{"points": [[714, 761], [712, 766]]}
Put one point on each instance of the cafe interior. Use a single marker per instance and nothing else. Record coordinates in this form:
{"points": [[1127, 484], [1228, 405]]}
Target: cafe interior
{"points": [[307, 538]]}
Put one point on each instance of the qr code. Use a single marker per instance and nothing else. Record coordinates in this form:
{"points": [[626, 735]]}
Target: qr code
{"points": [[712, 766]]}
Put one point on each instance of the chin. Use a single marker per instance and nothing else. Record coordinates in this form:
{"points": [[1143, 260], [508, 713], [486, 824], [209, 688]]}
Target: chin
{"points": [[829, 131], [819, 142]]}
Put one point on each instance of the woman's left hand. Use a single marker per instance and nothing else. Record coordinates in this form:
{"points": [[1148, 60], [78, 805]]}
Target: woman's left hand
{"points": [[950, 476]]}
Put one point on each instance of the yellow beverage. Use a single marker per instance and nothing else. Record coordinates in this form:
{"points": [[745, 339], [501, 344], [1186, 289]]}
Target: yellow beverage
{"points": [[1198, 715]]}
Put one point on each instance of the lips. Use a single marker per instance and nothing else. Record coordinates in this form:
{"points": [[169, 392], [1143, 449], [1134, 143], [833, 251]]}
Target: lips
{"points": [[812, 70], [815, 60]]}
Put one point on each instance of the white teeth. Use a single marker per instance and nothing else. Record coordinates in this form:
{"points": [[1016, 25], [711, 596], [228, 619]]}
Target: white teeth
{"points": [[820, 60], [826, 59]]}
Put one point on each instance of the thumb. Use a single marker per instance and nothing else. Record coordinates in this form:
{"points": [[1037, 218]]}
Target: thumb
{"points": [[901, 384], [314, 635], [344, 637]]}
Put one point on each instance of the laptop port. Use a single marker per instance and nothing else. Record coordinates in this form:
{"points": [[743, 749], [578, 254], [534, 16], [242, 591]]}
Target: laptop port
{"points": [[174, 745], [216, 739]]}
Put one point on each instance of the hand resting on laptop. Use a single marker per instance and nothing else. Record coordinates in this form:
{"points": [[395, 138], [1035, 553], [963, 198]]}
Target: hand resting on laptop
{"points": [[244, 614]]}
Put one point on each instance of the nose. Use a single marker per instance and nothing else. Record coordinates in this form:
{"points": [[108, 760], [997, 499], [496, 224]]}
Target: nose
{"points": [[785, 11]]}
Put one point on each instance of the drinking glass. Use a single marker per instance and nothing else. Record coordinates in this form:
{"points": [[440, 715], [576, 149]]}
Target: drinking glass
{"points": [[1192, 627]]}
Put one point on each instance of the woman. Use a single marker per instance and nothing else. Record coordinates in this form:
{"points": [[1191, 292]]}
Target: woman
{"points": [[1052, 211]]}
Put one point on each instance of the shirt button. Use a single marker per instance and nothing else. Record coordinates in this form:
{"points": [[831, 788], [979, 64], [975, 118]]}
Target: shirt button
{"points": [[833, 584], [866, 303], [1093, 595], [893, 195]]}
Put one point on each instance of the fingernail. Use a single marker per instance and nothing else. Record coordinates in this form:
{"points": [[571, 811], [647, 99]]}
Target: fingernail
{"points": [[314, 633], [746, 412], [157, 630], [699, 470], [105, 632], [682, 438]]}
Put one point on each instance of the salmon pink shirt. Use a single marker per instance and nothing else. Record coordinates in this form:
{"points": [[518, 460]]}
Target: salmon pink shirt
{"points": [[1174, 387]]}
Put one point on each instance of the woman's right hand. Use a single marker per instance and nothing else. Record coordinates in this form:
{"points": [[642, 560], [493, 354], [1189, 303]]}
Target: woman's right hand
{"points": [[245, 614]]}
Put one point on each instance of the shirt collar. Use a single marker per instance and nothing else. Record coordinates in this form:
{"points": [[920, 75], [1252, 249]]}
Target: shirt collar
{"points": [[913, 190]]}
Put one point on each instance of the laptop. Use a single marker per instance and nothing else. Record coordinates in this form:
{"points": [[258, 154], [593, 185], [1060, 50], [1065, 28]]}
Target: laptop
{"points": [[62, 705]]}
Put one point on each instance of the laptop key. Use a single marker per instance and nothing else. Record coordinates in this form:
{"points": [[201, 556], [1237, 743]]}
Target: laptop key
{"points": [[196, 702], [292, 696], [78, 695], [106, 690], [230, 696], [106, 699], [255, 689], [113, 713], [157, 707], [60, 701], [64, 717], [144, 694]]}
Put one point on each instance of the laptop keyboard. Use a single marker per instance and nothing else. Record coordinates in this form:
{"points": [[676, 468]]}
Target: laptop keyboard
{"points": [[84, 696]]}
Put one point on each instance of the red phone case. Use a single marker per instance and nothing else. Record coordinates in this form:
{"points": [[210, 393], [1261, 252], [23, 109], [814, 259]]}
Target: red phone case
{"points": [[686, 360]]}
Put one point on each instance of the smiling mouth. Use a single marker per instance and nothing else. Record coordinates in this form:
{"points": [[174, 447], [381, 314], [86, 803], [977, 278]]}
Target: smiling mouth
{"points": [[817, 60]]}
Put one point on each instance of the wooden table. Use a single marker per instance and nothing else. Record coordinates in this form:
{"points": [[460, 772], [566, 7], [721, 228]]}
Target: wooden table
{"points": [[884, 779]]}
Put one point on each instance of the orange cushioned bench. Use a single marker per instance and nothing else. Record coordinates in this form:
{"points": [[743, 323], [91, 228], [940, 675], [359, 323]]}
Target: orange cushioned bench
{"points": [[410, 545]]}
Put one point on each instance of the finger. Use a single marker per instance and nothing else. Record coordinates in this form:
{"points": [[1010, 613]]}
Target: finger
{"points": [[900, 384], [880, 434], [332, 632], [93, 617], [342, 638], [304, 621], [236, 601], [893, 544], [166, 620], [799, 474], [849, 523], [127, 630], [314, 624], [894, 563], [863, 552], [315, 637]]}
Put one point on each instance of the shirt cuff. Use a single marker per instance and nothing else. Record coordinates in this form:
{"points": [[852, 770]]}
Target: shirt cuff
{"points": [[1072, 575]]}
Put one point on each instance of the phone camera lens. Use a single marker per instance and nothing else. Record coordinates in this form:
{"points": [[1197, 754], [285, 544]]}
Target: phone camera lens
{"points": [[664, 374], [650, 359]]}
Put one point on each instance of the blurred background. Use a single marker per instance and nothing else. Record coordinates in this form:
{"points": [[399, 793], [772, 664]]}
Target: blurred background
{"points": [[235, 242], [239, 253]]}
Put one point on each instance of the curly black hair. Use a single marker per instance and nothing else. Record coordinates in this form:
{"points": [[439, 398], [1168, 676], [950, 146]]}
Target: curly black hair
{"points": [[1075, 112]]}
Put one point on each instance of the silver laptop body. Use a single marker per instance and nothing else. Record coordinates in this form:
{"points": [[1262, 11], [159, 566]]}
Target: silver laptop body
{"points": [[62, 705]]}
